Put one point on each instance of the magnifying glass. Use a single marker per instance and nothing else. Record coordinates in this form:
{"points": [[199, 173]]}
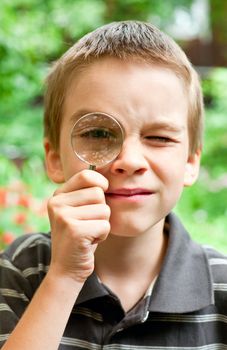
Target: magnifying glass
{"points": [[97, 139]]}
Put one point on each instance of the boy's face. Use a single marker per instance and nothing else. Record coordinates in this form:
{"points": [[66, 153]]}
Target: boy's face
{"points": [[150, 103]]}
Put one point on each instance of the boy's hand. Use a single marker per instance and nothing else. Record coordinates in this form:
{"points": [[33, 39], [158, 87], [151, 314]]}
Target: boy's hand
{"points": [[79, 219]]}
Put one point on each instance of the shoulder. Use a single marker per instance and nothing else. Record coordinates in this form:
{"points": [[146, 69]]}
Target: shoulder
{"points": [[28, 248], [218, 264], [26, 259], [218, 268], [23, 266]]}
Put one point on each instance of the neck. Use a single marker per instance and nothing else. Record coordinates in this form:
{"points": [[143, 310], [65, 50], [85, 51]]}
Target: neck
{"points": [[124, 256]]}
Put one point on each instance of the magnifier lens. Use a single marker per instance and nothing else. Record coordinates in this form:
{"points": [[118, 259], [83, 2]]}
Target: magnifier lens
{"points": [[97, 139]]}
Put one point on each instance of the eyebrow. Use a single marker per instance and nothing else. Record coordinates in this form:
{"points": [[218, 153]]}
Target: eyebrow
{"points": [[164, 125], [81, 113], [154, 125]]}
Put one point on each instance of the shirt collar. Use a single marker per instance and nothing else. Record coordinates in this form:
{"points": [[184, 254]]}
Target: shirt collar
{"points": [[184, 283], [92, 289]]}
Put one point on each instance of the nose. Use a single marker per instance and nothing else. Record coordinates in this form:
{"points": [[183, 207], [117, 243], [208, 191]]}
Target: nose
{"points": [[131, 159]]}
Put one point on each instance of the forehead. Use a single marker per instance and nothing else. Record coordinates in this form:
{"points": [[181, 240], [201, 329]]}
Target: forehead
{"points": [[122, 88]]}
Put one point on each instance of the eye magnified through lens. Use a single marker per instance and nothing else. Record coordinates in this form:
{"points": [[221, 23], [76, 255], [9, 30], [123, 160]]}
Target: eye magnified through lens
{"points": [[97, 139]]}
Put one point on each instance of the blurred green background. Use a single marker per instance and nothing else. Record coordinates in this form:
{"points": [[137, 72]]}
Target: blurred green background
{"points": [[34, 33]]}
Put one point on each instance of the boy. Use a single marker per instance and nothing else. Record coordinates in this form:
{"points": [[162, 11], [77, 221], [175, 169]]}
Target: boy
{"points": [[122, 272]]}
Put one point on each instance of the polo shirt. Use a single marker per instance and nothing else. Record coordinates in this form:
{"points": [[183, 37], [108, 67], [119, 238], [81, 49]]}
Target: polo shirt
{"points": [[186, 307]]}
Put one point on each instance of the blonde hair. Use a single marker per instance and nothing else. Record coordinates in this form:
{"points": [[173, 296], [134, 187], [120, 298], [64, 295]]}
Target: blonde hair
{"points": [[128, 40]]}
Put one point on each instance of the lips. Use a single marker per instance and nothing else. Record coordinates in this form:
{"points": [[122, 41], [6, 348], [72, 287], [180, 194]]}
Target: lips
{"points": [[124, 192]]}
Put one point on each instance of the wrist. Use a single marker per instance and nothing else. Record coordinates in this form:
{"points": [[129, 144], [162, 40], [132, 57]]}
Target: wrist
{"points": [[60, 283]]}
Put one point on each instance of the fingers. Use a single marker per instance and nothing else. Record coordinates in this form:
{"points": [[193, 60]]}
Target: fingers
{"points": [[79, 219], [85, 196], [66, 214], [89, 232], [84, 179]]}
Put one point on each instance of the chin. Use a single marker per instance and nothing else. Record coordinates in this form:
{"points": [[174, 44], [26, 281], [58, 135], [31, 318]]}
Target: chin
{"points": [[127, 229], [135, 225]]}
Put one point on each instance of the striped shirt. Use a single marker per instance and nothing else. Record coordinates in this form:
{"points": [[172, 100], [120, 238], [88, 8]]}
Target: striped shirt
{"points": [[186, 308]]}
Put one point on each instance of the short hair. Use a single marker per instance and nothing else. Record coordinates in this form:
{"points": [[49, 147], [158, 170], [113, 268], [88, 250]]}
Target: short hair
{"points": [[125, 40]]}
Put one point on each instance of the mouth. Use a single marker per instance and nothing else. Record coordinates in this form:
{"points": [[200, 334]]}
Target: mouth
{"points": [[128, 194]]}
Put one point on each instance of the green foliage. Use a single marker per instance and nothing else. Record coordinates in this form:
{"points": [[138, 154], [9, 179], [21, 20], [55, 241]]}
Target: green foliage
{"points": [[34, 33], [23, 195], [204, 206], [155, 10]]}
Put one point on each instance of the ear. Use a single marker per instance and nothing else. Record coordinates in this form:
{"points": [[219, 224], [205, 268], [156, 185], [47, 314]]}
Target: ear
{"points": [[192, 168], [53, 162]]}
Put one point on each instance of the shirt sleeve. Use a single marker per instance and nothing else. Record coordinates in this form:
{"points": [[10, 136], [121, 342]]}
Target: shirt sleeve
{"points": [[22, 267]]}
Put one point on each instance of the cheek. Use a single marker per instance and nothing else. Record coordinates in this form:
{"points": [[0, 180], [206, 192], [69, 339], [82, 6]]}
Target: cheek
{"points": [[71, 164], [169, 166], [171, 185]]}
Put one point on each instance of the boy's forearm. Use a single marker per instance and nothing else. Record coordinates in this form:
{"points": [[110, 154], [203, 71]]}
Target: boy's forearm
{"points": [[75, 232], [44, 321]]}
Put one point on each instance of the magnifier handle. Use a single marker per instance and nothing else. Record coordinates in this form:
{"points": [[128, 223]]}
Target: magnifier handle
{"points": [[92, 167]]}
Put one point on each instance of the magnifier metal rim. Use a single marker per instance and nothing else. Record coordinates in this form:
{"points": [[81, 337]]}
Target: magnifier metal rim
{"points": [[87, 115]]}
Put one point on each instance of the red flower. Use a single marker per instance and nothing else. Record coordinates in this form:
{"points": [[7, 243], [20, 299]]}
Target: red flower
{"points": [[20, 218], [3, 199], [24, 201], [7, 237]]}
